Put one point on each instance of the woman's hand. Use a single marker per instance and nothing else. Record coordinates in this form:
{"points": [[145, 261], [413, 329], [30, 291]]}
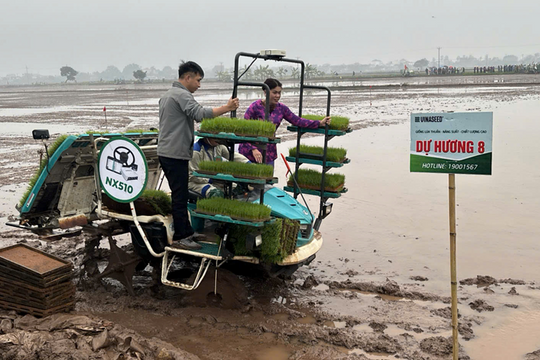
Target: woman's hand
{"points": [[257, 155], [325, 121]]}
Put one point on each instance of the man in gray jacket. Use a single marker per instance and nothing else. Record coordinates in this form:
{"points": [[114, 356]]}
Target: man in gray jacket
{"points": [[177, 112]]}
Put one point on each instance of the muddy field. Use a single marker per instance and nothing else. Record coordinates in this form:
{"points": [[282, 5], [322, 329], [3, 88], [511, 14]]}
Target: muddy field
{"points": [[378, 289]]}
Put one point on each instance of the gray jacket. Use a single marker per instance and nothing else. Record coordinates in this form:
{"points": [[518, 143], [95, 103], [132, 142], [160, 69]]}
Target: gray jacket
{"points": [[177, 111]]}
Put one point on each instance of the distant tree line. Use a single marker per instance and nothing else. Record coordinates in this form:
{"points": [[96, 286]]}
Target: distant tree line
{"points": [[134, 72], [131, 72]]}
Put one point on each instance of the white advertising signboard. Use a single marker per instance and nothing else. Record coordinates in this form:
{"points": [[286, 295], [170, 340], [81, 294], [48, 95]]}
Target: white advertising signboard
{"points": [[123, 170], [451, 143]]}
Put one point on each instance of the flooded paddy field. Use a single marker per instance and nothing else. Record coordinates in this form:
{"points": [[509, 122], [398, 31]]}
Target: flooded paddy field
{"points": [[380, 286]]}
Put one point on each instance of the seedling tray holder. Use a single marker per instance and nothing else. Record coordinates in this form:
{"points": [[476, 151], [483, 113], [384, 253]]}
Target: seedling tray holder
{"points": [[304, 158], [229, 177]]}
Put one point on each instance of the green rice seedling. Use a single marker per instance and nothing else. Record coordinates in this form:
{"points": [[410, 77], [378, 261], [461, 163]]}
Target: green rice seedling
{"points": [[238, 169], [238, 127], [237, 237], [159, 200], [311, 179], [234, 209], [278, 240], [50, 151], [271, 245], [332, 154], [337, 123]]}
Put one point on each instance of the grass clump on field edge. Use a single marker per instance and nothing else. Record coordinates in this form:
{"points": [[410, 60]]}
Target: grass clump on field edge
{"points": [[312, 179], [238, 126], [332, 154], [337, 123], [237, 168], [234, 209]]}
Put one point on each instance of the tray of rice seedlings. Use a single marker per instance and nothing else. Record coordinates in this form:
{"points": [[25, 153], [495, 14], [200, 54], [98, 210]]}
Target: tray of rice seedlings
{"points": [[238, 127], [151, 202], [237, 169], [311, 179], [338, 122], [315, 152], [238, 210]]}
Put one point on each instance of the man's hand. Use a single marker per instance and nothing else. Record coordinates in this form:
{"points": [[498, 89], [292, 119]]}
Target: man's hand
{"points": [[325, 121], [257, 155], [232, 104]]}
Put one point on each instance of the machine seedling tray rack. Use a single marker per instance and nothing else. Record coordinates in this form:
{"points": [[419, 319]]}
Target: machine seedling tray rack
{"points": [[239, 138], [307, 160], [235, 178], [320, 131]]}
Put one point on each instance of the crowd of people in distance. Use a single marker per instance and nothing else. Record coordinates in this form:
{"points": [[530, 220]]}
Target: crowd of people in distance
{"points": [[444, 70], [533, 68]]}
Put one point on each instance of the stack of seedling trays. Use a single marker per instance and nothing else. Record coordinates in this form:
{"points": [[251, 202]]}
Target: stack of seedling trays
{"points": [[35, 282], [235, 131]]}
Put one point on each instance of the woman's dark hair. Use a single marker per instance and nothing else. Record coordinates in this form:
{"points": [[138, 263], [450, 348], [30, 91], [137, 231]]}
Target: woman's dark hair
{"points": [[189, 67], [272, 83]]}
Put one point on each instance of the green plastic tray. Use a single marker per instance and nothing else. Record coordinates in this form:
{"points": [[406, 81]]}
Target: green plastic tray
{"points": [[319, 131], [228, 177], [239, 139], [317, 162], [317, 193]]}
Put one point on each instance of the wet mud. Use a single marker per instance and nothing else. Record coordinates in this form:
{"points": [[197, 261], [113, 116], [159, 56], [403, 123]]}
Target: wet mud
{"points": [[370, 294]]}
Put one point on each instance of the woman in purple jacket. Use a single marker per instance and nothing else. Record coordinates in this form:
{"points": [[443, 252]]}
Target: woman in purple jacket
{"points": [[278, 112]]}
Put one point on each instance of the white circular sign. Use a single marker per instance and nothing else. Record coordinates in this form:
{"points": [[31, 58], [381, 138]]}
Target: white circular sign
{"points": [[122, 170]]}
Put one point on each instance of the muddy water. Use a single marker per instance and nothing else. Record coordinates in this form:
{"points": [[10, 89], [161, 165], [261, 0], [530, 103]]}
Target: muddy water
{"points": [[393, 223], [25, 129], [399, 219], [185, 333]]}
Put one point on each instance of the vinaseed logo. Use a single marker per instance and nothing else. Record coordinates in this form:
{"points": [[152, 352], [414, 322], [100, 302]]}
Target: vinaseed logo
{"points": [[123, 170]]}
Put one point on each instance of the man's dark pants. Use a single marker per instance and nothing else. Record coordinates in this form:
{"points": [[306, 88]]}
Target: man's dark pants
{"points": [[177, 173]]}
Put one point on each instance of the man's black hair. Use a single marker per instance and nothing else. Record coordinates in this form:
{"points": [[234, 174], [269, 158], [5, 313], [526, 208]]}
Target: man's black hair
{"points": [[189, 67], [272, 83]]}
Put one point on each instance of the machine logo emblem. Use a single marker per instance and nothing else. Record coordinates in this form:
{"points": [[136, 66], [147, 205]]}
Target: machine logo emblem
{"points": [[122, 170]]}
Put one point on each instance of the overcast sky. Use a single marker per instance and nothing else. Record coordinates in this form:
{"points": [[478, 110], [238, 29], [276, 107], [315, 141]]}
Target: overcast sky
{"points": [[90, 35]]}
